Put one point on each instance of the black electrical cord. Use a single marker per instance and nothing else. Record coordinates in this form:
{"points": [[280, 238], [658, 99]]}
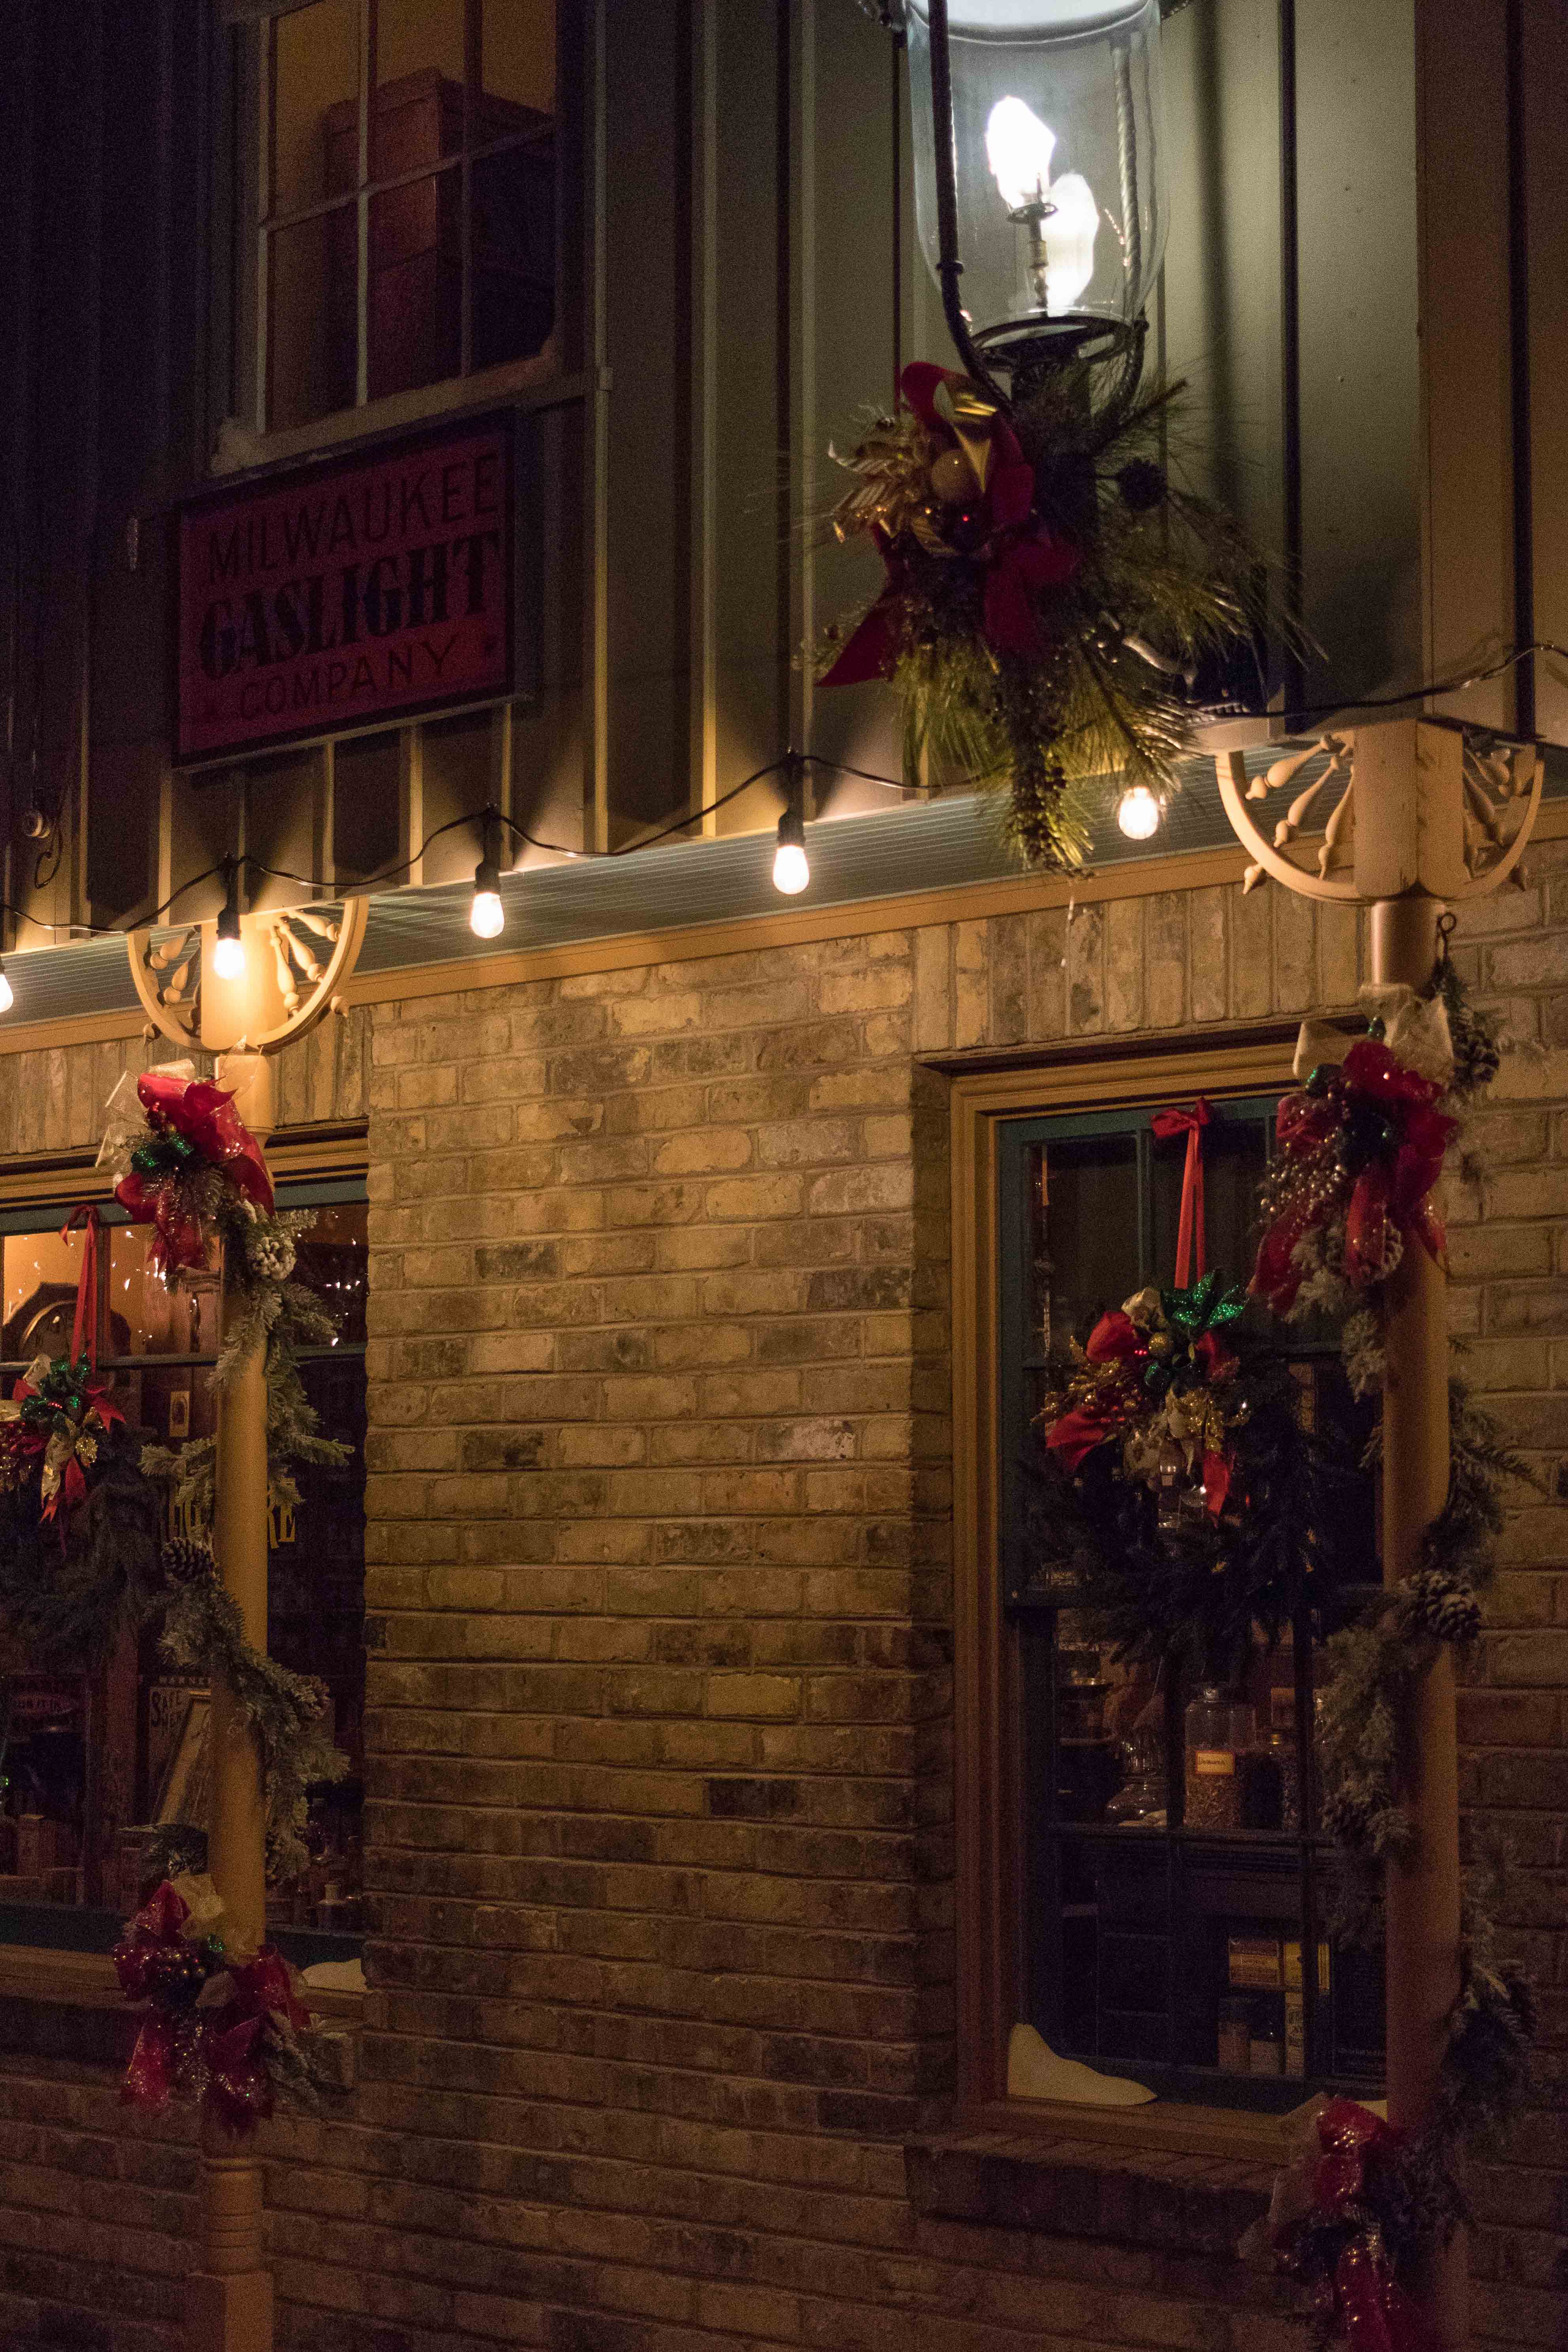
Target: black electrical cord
{"points": [[1509, 660]]}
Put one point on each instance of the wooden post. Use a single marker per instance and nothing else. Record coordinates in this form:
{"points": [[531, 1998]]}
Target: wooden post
{"points": [[1422, 1950], [228, 2299]]}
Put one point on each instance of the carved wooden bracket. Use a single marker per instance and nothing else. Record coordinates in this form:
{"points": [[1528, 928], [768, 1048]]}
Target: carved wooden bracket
{"points": [[1406, 804], [298, 960]]}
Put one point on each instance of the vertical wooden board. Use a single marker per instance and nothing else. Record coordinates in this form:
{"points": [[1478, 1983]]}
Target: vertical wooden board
{"points": [[1543, 81], [1221, 308], [751, 551], [649, 453], [1462, 131], [1009, 980], [1048, 972], [1207, 930], [1166, 958], [972, 987], [1295, 951], [1339, 952], [1360, 351], [547, 748], [856, 334], [1251, 937], [1124, 963], [933, 988], [1086, 971]]}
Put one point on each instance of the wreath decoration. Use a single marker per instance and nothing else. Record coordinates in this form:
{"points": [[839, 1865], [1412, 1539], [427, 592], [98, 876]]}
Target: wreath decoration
{"points": [[222, 2026], [1050, 591], [1175, 1485]]}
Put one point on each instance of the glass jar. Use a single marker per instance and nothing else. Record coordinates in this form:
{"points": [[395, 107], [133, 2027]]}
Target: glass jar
{"points": [[1213, 1790], [1058, 153]]}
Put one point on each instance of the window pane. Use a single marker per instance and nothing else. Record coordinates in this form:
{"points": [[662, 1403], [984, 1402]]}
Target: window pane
{"points": [[518, 52], [146, 1316], [514, 252], [415, 284], [41, 1275], [333, 1261], [1088, 1255], [313, 276], [1234, 1154], [315, 132], [420, 36], [315, 1589]]}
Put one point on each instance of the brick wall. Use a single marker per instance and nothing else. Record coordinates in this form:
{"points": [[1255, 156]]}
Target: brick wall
{"points": [[659, 1703]]}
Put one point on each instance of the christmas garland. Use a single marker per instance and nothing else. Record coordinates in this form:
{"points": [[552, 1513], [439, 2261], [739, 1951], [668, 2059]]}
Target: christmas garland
{"points": [[1050, 590], [73, 1579], [1361, 1148], [189, 1167], [221, 2026], [1176, 1487]]}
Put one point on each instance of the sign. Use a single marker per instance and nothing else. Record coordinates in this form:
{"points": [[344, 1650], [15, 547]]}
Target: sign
{"points": [[346, 593]]}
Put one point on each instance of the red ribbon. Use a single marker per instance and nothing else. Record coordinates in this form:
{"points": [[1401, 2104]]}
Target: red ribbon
{"points": [[1115, 1339], [204, 1115], [1191, 1238], [1373, 2310], [1020, 553], [84, 1331]]}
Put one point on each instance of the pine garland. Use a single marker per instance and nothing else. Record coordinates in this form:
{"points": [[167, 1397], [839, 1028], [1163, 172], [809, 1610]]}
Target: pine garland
{"points": [[1415, 2192], [203, 1631]]}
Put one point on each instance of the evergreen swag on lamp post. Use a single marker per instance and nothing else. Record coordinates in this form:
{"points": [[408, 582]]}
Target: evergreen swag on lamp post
{"points": [[1053, 597]]}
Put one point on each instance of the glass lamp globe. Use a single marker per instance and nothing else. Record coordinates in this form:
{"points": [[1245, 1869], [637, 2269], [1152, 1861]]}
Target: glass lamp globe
{"points": [[1059, 147]]}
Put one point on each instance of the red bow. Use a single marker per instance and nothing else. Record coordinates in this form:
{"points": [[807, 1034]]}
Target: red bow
{"points": [[1373, 2310], [204, 1115], [84, 1331], [1115, 1339], [1190, 1232], [1020, 553], [1389, 1192]]}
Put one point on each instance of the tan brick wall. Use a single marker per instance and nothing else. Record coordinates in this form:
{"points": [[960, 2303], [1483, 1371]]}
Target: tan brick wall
{"points": [[660, 1610]]}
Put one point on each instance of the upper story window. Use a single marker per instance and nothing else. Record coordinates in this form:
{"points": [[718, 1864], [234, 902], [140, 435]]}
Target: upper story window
{"points": [[403, 168]]}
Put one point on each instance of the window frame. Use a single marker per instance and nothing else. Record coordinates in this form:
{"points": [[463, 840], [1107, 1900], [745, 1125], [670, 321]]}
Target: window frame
{"points": [[318, 1170], [543, 379], [988, 1760]]}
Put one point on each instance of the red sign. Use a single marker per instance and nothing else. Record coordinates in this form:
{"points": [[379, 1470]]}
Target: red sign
{"points": [[347, 594]]}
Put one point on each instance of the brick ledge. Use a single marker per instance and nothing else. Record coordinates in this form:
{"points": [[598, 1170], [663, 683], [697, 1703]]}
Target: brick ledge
{"points": [[1178, 2203]]}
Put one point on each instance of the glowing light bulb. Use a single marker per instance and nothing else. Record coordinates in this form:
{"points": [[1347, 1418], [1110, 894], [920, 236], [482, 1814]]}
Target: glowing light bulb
{"points": [[7, 995], [1061, 217], [228, 957], [791, 871], [486, 916], [1139, 812]]}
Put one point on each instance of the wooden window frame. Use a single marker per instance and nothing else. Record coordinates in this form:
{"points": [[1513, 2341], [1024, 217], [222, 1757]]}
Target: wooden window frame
{"points": [[987, 1775], [543, 379]]}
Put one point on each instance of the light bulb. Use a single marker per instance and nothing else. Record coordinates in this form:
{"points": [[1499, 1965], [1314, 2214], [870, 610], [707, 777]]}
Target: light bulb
{"points": [[1061, 216], [1139, 812], [228, 957], [486, 916], [1018, 148], [8, 996], [791, 871]]}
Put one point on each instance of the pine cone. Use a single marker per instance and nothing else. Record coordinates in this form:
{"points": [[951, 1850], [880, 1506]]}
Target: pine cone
{"points": [[185, 1561], [1348, 1816], [1448, 1608], [270, 1251]]}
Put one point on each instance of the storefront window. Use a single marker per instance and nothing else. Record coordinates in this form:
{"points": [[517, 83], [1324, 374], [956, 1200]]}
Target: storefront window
{"points": [[97, 1768], [1169, 1861], [408, 201]]}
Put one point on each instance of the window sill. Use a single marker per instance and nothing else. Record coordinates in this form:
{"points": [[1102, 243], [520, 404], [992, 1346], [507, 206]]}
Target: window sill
{"points": [[67, 2004], [537, 383], [1189, 2180]]}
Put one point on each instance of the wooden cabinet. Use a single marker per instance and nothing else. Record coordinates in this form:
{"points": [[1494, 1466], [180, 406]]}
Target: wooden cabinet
{"points": [[415, 278]]}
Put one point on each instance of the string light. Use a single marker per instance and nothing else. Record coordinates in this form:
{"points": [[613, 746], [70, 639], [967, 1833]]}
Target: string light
{"points": [[1140, 813], [7, 995], [791, 870], [486, 916], [228, 954]]}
